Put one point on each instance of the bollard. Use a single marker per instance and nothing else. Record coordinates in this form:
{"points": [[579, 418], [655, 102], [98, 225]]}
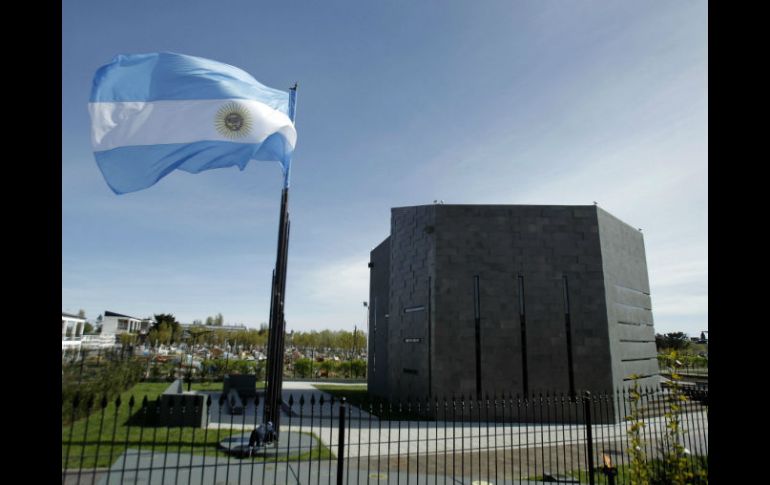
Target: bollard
{"points": [[609, 471], [341, 443]]}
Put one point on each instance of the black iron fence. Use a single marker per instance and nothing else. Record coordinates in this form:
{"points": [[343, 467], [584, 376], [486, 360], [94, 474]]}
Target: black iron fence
{"points": [[140, 436]]}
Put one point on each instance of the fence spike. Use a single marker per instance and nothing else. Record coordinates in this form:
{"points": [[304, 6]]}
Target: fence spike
{"points": [[291, 400], [302, 400], [117, 402]]}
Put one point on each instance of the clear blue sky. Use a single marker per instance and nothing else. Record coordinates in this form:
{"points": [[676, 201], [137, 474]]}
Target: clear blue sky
{"points": [[399, 103]]}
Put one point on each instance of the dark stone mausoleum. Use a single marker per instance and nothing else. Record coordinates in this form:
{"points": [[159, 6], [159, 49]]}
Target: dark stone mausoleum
{"points": [[487, 299]]}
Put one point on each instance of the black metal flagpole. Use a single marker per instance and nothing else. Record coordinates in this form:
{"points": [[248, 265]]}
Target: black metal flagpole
{"points": [[277, 327]]}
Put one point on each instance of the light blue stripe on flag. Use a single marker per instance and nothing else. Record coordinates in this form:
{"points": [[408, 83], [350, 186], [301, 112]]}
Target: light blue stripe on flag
{"points": [[155, 113], [132, 168], [171, 76]]}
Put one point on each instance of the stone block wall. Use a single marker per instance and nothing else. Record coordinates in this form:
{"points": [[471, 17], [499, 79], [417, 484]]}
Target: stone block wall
{"points": [[551, 280]]}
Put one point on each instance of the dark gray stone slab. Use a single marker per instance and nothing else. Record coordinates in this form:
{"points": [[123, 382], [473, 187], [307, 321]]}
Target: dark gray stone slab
{"points": [[431, 258]]}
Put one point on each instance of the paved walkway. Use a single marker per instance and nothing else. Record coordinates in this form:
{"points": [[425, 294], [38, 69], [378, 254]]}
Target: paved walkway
{"points": [[366, 435], [134, 467], [220, 418]]}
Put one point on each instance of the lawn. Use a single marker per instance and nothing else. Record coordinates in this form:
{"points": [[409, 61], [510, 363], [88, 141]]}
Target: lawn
{"points": [[98, 440], [215, 386], [359, 396]]}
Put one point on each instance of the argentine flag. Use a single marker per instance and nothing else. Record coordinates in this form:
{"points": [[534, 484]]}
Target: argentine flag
{"points": [[155, 113]]}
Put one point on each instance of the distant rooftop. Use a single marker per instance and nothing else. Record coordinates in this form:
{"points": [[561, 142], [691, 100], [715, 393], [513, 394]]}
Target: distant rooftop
{"points": [[217, 327], [70, 315], [113, 314]]}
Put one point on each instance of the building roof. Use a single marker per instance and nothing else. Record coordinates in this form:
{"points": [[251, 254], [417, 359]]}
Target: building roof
{"points": [[113, 314], [442, 206], [70, 315], [217, 327]]}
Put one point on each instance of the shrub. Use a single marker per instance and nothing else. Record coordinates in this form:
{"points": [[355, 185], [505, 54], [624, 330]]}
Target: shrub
{"points": [[107, 378], [302, 367]]}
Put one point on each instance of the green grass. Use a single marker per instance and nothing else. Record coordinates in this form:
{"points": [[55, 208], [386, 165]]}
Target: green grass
{"points": [[96, 441], [359, 396], [215, 386]]}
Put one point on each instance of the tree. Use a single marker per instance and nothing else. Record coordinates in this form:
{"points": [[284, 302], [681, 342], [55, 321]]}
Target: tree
{"points": [[127, 339], [359, 341], [209, 321], [344, 341], [172, 328], [219, 320], [328, 367], [88, 329], [672, 341], [302, 367], [196, 331], [82, 313], [161, 334], [326, 340]]}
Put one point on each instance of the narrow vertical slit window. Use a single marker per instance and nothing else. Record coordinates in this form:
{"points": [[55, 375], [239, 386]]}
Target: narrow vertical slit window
{"points": [[523, 321], [568, 329], [477, 316], [430, 363]]}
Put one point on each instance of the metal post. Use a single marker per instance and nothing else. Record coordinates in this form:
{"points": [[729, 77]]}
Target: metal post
{"points": [[366, 340], [277, 322], [353, 356], [609, 471], [341, 443], [589, 437], [189, 369]]}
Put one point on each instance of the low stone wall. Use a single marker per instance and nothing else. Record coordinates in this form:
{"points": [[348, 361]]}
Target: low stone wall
{"points": [[244, 385], [179, 409]]}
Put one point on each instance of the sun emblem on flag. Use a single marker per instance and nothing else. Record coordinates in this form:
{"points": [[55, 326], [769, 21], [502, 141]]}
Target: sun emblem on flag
{"points": [[233, 120]]}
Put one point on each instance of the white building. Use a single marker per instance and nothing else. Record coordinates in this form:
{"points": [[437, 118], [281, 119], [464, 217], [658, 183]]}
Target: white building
{"points": [[116, 324], [71, 330], [72, 337]]}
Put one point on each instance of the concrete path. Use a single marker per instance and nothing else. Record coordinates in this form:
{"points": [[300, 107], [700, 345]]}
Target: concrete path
{"points": [[220, 418], [365, 438], [144, 468], [366, 435]]}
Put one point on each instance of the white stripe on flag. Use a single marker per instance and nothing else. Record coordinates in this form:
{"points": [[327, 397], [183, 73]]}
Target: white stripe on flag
{"points": [[162, 122]]}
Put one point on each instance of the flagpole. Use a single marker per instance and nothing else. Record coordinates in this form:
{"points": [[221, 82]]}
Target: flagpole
{"points": [[277, 327]]}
